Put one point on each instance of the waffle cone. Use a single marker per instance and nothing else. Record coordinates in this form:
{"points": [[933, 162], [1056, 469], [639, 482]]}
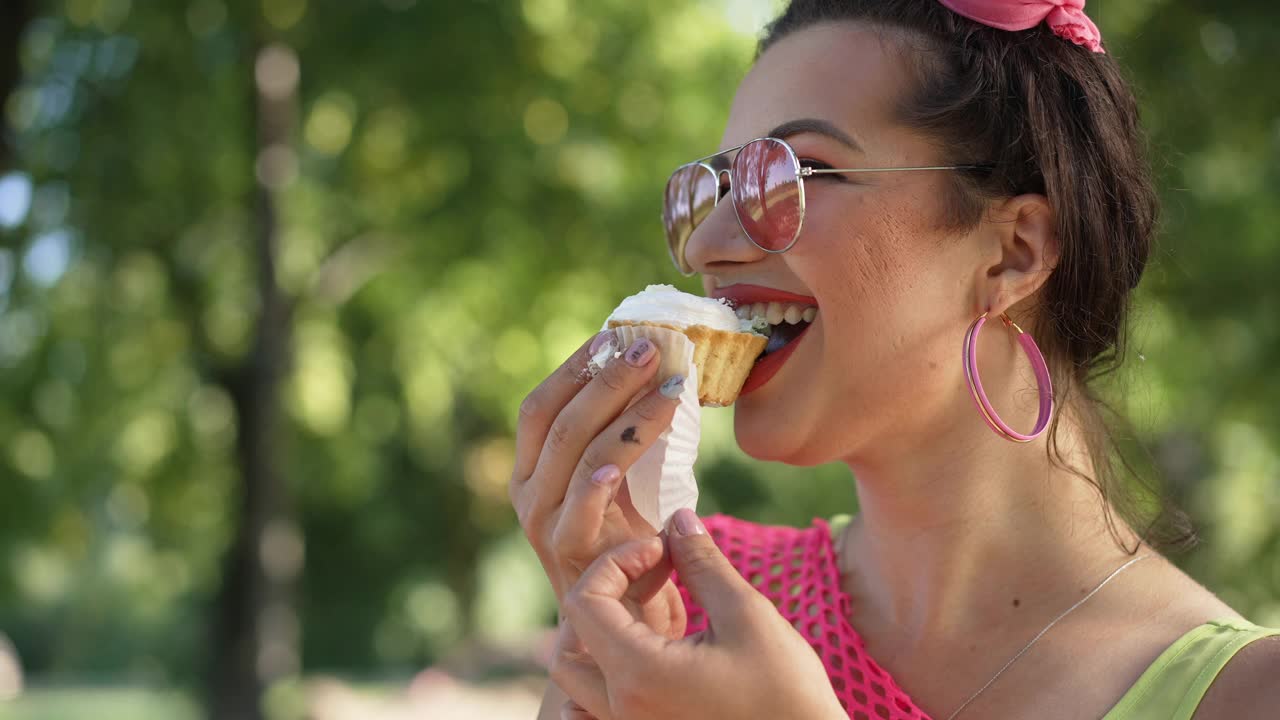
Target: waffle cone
{"points": [[724, 358]]}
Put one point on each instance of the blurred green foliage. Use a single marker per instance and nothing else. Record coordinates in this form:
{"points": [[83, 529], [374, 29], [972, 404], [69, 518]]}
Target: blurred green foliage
{"points": [[101, 704], [473, 186]]}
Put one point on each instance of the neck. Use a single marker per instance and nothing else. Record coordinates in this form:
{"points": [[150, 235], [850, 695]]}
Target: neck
{"points": [[975, 533]]}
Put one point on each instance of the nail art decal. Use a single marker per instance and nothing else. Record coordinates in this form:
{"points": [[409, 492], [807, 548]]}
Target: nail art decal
{"points": [[640, 351]]}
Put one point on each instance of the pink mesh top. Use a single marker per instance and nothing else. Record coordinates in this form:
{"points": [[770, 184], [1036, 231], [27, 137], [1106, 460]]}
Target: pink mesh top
{"points": [[796, 569]]}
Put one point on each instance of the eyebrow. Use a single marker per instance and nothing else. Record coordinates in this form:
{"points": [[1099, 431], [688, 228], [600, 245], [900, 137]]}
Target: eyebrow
{"points": [[815, 125]]}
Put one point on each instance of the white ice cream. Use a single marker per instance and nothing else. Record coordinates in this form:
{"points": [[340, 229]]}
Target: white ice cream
{"points": [[667, 305]]}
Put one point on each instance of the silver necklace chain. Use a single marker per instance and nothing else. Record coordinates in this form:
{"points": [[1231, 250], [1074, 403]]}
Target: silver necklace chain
{"points": [[1027, 647], [842, 566]]}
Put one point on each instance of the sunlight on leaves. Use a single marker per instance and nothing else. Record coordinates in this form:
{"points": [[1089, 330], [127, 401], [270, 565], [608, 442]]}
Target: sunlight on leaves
{"points": [[320, 389], [146, 440], [32, 453], [1245, 495], [545, 121], [515, 597], [328, 127]]}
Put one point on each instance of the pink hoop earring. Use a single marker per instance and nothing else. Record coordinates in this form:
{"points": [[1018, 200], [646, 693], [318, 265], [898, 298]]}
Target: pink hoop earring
{"points": [[1043, 382]]}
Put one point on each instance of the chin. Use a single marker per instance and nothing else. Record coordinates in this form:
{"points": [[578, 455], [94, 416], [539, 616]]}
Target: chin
{"points": [[757, 435], [768, 449], [767, 437]]}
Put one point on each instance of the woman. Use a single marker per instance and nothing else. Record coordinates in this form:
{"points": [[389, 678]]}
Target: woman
{"points": [[993, 569]]}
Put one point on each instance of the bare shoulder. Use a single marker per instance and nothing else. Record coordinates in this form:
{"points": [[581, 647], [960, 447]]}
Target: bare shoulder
{"points": [[1248, 686]]}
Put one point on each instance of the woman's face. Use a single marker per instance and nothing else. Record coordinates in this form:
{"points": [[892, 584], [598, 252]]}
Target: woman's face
{"points": [[881, 362]]}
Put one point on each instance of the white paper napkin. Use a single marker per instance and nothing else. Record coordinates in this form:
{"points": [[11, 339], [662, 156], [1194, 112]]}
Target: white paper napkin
{"points": [[661, 480]]}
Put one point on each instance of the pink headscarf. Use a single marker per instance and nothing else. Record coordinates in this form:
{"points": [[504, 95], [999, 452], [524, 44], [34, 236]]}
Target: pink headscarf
{"points": [[1065, 17]]}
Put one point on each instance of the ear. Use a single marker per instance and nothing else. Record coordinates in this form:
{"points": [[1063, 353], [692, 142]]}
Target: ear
{"points": [[1020, 249]]}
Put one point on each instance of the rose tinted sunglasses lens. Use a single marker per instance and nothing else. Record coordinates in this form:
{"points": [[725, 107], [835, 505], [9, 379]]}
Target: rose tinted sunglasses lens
{"points": [[689, 198], [767, 193]]}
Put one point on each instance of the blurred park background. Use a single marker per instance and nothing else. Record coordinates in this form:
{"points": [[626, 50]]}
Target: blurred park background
{"points": [[275, 276]]}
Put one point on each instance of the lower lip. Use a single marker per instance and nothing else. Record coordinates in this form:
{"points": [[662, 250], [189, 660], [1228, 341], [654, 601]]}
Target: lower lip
{"points": [[770, 364]]}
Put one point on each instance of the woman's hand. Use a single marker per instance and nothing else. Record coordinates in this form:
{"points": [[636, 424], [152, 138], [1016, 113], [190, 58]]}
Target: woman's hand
{"points": [[573, 432], [749, 663]]}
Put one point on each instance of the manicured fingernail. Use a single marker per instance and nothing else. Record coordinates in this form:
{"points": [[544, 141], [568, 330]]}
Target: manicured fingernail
{"points": [[640, 352], [599, 342], [672, 388], [607, 475], [687, 522]]}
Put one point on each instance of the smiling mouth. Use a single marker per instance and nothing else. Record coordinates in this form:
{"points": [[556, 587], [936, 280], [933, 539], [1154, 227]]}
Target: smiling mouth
{"points": [[786, 320]]}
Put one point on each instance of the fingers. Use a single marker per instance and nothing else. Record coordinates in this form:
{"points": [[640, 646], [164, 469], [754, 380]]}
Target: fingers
{"points": [[585, 416], [617, 641], [542, 406], [712, 580], [654, 579], [573, 711], [601, 469], [576, 673]]}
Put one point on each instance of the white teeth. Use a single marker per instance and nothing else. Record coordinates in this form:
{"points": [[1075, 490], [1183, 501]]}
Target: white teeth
{"points": [[774, 314]]}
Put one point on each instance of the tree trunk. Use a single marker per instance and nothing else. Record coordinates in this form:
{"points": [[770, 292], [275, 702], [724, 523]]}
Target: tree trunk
{"points": [[255, 636], [14, 15]]}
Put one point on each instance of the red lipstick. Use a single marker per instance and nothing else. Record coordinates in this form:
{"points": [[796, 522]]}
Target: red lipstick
{"points": [[743, 294], [769, 365]]}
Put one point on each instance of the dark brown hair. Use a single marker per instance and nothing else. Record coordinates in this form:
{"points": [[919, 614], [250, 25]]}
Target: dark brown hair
{"points": [[1047, 116]]}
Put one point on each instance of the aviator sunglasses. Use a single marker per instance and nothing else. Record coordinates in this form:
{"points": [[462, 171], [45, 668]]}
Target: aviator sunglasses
{"points": [[767, 185]]}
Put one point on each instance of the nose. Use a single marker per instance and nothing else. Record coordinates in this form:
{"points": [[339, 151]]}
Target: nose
{"points": [[719, 239]]}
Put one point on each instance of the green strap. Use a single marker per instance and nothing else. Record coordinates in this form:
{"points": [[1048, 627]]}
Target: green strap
{"points": [[1171, 687], [837, 523]]}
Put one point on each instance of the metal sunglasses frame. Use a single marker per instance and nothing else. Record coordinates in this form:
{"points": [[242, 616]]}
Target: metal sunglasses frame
{"points": [[801, 174]]}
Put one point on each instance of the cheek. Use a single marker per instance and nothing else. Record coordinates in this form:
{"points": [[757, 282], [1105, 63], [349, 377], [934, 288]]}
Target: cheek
{"points": [[884, 294], [895, 256], [863, 260], [886, 300]]}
